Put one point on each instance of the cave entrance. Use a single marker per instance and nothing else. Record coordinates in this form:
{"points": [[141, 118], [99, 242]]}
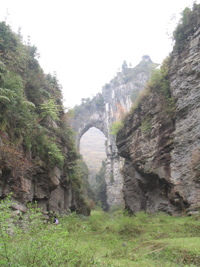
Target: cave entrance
{"points": [[93, 149]]}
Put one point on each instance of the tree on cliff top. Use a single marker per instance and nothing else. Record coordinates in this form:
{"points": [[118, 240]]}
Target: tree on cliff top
{"points": [[188, 24]]}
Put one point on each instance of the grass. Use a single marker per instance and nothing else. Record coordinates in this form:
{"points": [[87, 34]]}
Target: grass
{"points": [[106, 239]]}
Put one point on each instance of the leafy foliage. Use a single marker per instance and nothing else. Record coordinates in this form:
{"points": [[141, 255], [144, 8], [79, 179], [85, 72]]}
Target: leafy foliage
{"points": [[116, 127], [32, 132], [159, 83], [50, 109], [188, 24], [146, 125]]}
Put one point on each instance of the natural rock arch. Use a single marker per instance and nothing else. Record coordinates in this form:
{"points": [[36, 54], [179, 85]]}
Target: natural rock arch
{"points": [[93, 151], [105, 109], [87, 115]]}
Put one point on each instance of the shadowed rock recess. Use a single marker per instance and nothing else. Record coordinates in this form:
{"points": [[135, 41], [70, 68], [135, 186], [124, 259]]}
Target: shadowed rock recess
{"points": [[162, 161]]}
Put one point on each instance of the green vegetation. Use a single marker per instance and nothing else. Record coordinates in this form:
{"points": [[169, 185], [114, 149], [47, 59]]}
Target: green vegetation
{"points": [[30, 101], [145, 66], [78, 176], [50, 109], [116, 127], [146, 125], [31, 112], [187, 26], [102, 239], [158, 84], [100, 189], [138, 99], [159, 81], [85, 105], [134, 95]]}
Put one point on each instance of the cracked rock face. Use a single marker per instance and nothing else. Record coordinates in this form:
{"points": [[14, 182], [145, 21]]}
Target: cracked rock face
{"points": [[185, 86], [147, 154], [51, 191], [162, 165]]}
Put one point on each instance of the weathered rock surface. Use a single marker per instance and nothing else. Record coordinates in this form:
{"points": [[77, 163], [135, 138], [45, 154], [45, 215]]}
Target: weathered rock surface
{"points": [[185, 87], [162, 162], [52, 191]]}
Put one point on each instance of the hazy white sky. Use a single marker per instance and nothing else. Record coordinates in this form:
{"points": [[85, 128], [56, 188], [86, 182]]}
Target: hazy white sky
{"points": [[86, 41]]}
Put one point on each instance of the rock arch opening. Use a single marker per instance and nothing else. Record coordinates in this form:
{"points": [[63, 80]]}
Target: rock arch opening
{"points": [[93, 149]]}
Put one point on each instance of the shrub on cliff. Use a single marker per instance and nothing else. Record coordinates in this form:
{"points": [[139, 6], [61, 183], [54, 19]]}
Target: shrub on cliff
{"points": [[187, 26], [160, 84], [159, 80], [116, 127]]}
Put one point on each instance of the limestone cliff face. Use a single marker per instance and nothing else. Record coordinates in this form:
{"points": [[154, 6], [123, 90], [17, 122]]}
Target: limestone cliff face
{"points": [[185, 87], [162, 160], [50, 188], [105, 109], [147, 156]]}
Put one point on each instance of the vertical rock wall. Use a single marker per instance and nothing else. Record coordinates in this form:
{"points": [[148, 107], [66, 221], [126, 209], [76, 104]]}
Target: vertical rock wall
{"points": [[162, 155], [185, 87]]}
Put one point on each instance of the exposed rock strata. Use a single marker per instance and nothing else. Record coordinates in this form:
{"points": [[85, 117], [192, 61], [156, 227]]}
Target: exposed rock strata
{"points": [[162, 167], [52, 191], [185, 87]]}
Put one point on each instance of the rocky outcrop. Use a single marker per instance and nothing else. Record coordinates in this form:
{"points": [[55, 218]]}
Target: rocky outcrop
{"points": [[105, 109], [52, 191], [29, 180], [146, 150], [162, 153], [185, 87]]}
